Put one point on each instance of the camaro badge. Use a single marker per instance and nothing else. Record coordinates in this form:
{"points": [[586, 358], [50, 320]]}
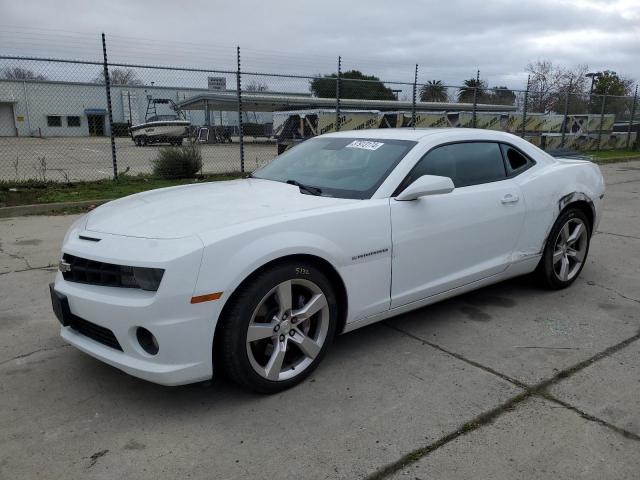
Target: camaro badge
{"points": [[64, 266]]}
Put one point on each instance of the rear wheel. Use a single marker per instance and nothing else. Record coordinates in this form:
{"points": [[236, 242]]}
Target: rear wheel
{"points": [[278, 328], [566, 250]]}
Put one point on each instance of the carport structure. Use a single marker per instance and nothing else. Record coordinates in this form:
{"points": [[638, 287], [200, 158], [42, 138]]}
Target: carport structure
{"points": [[261, 102]]}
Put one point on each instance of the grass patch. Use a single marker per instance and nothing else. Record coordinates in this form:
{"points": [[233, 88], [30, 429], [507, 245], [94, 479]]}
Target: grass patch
{"points": [[613, 154], [32, 192]]}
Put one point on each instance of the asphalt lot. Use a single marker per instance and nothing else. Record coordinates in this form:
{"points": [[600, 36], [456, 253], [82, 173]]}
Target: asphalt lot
{"points": [[507, 382], [89, 158]]}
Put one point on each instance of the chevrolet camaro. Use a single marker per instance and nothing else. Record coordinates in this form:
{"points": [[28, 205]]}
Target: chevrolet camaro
{"points": [[254, 277]]}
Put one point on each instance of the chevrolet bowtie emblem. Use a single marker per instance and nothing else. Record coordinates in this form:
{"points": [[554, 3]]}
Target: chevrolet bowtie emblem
{"points": [[64, 266]]}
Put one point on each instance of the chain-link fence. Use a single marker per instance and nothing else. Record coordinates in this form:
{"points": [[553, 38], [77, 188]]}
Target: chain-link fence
{"points": [[66, 120]]}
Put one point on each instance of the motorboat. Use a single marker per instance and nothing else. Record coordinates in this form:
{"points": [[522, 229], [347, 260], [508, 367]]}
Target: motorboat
{"points": [[167, 128]]}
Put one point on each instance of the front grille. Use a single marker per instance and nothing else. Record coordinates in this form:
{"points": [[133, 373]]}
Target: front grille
{"points": [[98, 273], [95, 332]]}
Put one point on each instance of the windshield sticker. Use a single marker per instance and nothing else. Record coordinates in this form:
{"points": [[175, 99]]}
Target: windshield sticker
{"points": [[365, 145]]}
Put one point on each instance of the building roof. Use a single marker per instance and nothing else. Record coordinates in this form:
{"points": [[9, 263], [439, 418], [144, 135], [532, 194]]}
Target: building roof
{"points": [[263, 102]]}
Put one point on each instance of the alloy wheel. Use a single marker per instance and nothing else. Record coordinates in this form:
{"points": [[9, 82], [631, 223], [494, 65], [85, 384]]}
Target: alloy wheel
{"points": [[287, 329], [570, 249]]}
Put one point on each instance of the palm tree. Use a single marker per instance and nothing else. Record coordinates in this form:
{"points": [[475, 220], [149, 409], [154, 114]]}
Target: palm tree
{"points": [[433, 91], [465, 94]]}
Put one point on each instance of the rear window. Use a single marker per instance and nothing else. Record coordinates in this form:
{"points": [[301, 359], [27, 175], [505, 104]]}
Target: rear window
{"points": [[516, 161]]}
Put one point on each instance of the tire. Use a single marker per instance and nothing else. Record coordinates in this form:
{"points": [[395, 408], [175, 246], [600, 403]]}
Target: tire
{"points": [[564, 256], [137, 141], [299, 341], [143, 141]]}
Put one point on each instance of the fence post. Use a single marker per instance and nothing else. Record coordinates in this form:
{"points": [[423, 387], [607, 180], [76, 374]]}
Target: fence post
{"points": [[633, 112], [604, 99], [566, 115], [107, 83], [240, 127], [475, 100], [413, 103], [338, 80], [524, 108]]}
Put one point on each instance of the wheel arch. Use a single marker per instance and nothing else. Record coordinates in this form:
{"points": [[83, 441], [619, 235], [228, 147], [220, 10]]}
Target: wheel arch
{"points": [[327, 268], [580, 201]]}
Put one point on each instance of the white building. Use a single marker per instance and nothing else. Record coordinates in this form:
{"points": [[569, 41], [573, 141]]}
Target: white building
{"points": [[59, 109]]}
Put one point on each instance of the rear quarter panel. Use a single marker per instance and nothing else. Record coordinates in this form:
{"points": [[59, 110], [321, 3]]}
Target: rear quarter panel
{"points": [[547, 189]]}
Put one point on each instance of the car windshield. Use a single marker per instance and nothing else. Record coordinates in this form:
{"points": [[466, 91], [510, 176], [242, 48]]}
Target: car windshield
{"points": [[337, 167]]}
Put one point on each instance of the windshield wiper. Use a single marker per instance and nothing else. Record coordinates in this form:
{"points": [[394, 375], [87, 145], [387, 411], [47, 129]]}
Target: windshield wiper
{"points": [[307, 188]]}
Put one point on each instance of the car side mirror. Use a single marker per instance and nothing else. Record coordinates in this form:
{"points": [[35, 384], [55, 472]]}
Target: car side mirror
{"points": [[426, 185]]}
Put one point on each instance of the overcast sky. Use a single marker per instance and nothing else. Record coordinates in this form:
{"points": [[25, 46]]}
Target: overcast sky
{"points": [[448, 39]]}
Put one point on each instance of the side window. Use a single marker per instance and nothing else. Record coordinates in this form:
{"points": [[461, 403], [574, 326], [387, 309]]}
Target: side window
{"points": [[54, 121], [469, 163], [515, 160], [73, 121]]}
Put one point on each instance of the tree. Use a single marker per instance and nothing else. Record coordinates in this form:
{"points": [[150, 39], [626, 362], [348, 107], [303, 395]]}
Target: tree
{"points": [[120, 76], [255, 86], [19, 73], [467, 92], [433, 91], [353, 84], [501, 96], [610, 83], [549, 84]]}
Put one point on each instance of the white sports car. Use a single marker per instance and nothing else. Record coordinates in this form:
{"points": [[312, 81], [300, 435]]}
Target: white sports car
{"points": [[254, 277]]}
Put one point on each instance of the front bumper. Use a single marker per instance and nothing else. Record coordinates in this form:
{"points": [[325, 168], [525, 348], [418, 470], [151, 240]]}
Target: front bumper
{"points": [[184, 331]]}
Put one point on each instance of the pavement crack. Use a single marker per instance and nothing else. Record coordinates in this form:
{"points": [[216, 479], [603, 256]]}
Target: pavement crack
{"points": [[13, 255], [540, 390], [25, 355], [96, 456], [46, 267], [468, 427], [613, 290], [587, 416], [490, 370]]}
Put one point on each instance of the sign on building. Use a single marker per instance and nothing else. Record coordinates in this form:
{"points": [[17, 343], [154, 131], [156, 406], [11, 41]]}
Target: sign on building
{"points": [[217, 83]]}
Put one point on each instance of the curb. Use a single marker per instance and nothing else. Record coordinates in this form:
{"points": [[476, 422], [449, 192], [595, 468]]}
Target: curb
{"points": [[46, 208]]}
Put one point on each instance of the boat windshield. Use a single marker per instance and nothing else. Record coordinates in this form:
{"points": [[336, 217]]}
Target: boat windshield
{"points": [[159, 118]]}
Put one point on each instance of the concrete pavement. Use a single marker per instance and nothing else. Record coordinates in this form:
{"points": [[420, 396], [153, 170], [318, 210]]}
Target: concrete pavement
{"points": [[507, 382]]}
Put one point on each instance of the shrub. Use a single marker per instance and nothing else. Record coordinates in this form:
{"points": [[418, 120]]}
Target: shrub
{"points": [[178, 162]]}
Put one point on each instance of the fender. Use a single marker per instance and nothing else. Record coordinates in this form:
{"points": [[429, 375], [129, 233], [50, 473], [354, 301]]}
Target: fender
{"points": [[225, 270]]}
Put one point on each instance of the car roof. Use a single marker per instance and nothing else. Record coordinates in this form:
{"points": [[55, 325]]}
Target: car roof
{"points": [[417, 134]]}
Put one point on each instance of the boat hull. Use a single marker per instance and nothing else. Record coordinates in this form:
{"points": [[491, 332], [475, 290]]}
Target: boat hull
{"points": [[156, 132]]}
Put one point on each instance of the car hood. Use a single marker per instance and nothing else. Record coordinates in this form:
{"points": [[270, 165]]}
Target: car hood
{"points": [[184, 211]]}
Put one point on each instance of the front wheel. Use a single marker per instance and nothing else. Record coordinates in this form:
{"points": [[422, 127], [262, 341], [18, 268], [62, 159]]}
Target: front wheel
{"points": [[566, 250], [278, 328]]}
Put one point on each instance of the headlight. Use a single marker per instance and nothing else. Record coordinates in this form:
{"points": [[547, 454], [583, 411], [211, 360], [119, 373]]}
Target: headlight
{"points": [[144, 278], [93, 272]]}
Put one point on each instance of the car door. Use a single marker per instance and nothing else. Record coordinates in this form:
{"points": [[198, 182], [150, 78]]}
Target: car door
{"points": [[441, 242]]}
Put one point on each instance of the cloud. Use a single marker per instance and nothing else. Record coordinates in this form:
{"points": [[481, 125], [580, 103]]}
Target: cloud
{"points": [[449, 40]]}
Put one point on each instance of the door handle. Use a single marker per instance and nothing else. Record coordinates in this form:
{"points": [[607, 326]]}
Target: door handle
{"points": [[510, 198]]}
